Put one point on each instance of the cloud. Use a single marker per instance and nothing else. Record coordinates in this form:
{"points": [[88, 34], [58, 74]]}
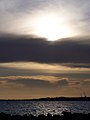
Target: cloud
{"points": [[23, 48], [63, 82], [35, 81], [42, 83], [77, 65], [51, 79], [86, 82]]}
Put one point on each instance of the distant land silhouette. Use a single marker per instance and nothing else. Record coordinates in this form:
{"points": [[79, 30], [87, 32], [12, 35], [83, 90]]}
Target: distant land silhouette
{"points": [[56, 99], [63, 99]]}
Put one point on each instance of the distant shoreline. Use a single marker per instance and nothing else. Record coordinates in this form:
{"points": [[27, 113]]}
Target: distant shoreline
{"points": [[52, 99]]}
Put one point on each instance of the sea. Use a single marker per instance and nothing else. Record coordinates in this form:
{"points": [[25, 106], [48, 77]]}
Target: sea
{"points": [[21, 107]]}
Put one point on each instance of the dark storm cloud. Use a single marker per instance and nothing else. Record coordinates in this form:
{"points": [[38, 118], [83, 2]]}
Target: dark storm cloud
{"points": [[22, 48]]}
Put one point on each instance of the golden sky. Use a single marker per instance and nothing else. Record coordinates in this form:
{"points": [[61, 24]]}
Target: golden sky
{"points": [[17, 81]]}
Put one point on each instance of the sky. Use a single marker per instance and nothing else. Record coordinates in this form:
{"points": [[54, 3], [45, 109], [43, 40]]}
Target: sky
{"points": [[44, 48]]}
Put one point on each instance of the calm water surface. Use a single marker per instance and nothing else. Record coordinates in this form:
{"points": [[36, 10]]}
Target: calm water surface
{"points": [[44, 107]]}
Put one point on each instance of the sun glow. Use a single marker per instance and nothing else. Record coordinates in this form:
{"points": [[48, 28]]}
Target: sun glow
{"points": [[50, 27]]}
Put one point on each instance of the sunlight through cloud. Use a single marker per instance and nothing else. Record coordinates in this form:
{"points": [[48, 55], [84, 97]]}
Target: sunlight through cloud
{"points": [[51, 27]]}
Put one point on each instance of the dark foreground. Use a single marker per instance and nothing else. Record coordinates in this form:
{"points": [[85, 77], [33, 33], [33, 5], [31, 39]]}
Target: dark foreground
{"points": [[65, 116]]}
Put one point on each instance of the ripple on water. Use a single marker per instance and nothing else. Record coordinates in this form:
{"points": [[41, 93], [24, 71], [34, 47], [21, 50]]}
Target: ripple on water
{"points": [[44, 107]]}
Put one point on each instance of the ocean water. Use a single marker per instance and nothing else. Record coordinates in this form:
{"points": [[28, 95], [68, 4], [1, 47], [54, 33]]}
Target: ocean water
{"points": [[44, 107]]}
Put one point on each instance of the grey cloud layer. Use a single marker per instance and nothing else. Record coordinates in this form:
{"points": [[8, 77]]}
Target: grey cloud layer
{"points": [[37, 82], [41, 83], [26, 81], [21, 48]]}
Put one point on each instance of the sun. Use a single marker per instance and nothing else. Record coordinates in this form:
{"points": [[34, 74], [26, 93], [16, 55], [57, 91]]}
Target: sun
{"points": [[50, 27]]}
